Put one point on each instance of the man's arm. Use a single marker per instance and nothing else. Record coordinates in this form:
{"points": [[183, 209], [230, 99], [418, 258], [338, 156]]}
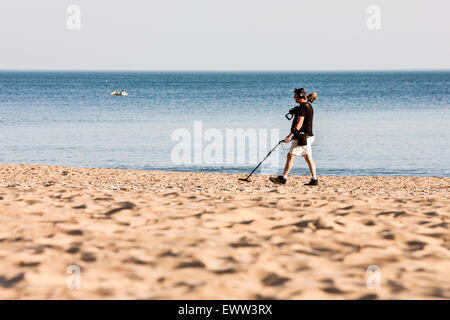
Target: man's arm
{"points": [[299, 123], [297, 127]]}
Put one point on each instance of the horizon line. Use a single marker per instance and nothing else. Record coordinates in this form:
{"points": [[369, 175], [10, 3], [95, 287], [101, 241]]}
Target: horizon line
{"points": [[224, 70]]}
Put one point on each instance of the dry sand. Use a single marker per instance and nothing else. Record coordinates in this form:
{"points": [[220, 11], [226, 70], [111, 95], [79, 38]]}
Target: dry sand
{"points": [[161, 235]]}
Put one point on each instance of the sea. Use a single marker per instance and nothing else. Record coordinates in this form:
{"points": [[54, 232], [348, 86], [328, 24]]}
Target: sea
{"points": [[383, 123]]}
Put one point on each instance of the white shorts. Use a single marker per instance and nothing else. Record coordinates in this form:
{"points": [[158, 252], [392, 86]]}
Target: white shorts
{"points": [[302, 150]]}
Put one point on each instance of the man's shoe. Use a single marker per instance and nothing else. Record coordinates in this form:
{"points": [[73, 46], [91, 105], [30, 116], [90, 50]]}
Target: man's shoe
{"points": [[278, 180], [312, 183]]}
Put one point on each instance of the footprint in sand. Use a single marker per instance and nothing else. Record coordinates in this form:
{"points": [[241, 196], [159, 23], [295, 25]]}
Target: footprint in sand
{"points": [[73, 250], [75, 232], [168, 253], [191, 264], [415, 245], [136, 261], [395, 213], [261, 297], [245, 222], [371, 296], [11, 282], [440, 225], [41, 248], [333, 290], [28, 264], [368, 223], [387, 234], [243, 243], [189, 286], [225, 271], [396, 287], [122, 206], [88, 257], [274, 280]]}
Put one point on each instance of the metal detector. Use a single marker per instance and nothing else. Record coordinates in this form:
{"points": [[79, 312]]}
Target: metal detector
{"points": [[273, 149]]}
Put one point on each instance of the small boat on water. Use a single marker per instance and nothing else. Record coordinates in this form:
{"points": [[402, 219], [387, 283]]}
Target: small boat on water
{"points": [[117, 93]]}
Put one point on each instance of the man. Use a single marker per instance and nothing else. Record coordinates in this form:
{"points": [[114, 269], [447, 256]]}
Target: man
{"points": [[302, 123]]}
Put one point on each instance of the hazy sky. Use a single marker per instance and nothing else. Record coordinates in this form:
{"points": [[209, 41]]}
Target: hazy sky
{"points": [[225, 35]]}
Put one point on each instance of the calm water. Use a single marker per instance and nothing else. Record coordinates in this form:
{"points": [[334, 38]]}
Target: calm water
{"points": [[383, 123]]}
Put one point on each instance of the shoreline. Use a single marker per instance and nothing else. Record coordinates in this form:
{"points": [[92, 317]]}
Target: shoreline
{"points": [[23, 176], [181, 235], [248, 170]]}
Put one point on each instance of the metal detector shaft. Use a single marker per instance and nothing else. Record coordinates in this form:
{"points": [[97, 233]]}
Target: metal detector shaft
{"points": [[273, 149]]}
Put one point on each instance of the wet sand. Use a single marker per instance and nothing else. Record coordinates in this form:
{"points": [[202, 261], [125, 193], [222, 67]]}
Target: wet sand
{"points": [[170, 235]]}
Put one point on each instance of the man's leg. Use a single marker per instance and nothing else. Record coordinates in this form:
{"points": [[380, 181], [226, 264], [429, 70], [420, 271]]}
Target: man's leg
{"points": [[289, 163], [311, 165], [287, 168]]}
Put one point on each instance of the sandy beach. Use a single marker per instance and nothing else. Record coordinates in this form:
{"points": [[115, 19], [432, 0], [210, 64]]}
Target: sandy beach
{"points": [[171, 235]]}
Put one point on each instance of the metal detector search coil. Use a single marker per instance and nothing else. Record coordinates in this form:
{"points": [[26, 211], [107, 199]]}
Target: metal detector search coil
{"points": [[273, 149]]}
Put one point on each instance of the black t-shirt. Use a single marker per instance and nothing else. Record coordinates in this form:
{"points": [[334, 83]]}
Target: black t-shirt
{"points": [[304, 110]]}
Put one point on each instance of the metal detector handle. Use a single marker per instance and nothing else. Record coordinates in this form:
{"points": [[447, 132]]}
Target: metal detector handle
{"points": [[273, 149], [289, 116]]}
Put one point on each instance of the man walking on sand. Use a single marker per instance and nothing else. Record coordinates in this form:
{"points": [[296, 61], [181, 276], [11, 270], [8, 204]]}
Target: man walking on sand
{"points": [[302, 124]]}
